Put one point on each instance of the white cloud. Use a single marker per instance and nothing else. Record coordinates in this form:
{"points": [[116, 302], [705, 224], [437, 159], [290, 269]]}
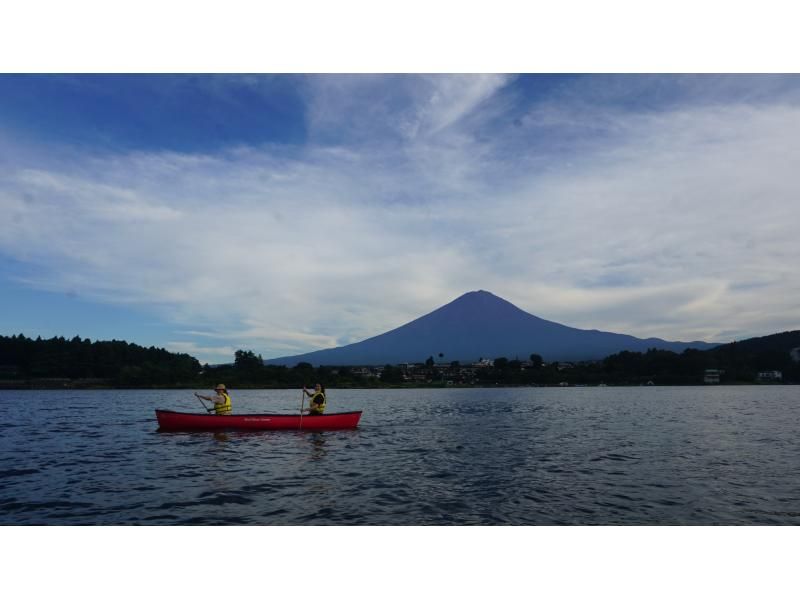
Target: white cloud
{"points": [[368, 108], [203, 353], [678, 223]]}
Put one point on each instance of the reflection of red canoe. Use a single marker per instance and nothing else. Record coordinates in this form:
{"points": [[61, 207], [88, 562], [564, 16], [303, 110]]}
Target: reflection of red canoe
{"points": [[173, 420]]}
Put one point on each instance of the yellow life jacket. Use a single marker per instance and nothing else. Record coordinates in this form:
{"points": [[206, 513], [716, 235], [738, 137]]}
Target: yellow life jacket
{"points": [[317, 408], [223, 408]]}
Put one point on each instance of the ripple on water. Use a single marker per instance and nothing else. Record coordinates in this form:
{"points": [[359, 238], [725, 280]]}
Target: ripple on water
{"points": [[10, 473], [483, 456]]}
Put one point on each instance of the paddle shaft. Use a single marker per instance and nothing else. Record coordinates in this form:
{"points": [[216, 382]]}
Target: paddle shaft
{"points": [[302, 404], [203, 404]]}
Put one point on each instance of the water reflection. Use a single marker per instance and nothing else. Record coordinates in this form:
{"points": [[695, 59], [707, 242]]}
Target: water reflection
{"points": [[317, 442]]}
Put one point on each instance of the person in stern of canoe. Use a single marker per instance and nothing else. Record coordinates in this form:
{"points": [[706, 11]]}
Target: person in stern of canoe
{"points": [[222, 400], [317, 404]]}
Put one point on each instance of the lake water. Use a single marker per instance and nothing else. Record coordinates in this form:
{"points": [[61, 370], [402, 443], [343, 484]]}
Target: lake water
{"points": [[530, 456]]}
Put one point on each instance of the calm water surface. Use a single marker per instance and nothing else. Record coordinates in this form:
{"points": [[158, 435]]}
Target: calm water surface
{"points": [[700, 455]]}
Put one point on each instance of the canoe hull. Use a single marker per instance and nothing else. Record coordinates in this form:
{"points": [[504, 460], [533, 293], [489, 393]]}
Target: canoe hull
{"points": [[174, 420]]}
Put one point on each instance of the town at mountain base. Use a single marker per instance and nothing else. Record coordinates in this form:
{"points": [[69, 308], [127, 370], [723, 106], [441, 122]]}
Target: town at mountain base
{"points": [[81, 363], [435, 361]]}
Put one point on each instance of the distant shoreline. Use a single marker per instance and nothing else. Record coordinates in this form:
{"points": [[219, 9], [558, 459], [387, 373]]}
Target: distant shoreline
{"points": [[79, 385], [82, 364]]}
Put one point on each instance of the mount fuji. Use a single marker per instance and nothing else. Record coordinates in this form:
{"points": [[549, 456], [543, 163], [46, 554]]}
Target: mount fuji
{"points": [[480, 324]]}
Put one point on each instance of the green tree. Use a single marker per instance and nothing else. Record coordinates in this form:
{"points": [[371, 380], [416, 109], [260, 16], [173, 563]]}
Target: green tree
{"points": [[246, 361], [391, 375]]}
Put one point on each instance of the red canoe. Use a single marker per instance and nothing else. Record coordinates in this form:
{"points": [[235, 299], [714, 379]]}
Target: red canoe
{"points": [[173, 420]]}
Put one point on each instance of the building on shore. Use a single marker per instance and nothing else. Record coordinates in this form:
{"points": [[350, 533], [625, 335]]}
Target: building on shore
{"points": [[712, 376], [770, 376]]}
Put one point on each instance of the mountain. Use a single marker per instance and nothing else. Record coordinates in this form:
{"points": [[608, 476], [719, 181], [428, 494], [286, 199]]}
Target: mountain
{"points": [[779, 351], [480, 324], [782, 343]]}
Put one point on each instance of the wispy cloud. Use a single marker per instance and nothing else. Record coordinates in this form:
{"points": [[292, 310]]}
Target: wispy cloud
{"points": [[201, 352], [672, 218]]}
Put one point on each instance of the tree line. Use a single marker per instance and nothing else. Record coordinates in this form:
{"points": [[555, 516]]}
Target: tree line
{"points": [[122, 364], [112, 363], [734, 366]]}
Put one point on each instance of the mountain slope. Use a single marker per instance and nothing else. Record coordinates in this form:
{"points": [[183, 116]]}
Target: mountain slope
{"points": [[480, 324], [773, 352], [781, 342]]}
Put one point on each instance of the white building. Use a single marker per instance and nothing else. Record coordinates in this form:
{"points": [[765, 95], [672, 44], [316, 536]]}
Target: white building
{"points": [[712, 376], [483, 363], [771, 376]]}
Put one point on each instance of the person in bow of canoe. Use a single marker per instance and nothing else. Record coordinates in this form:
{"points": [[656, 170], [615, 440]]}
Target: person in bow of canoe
{"points": [[317, 404], [222, 400]]}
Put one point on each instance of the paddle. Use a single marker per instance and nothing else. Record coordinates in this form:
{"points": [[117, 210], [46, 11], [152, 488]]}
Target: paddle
{"points": [[203, 404], [302, 404]]}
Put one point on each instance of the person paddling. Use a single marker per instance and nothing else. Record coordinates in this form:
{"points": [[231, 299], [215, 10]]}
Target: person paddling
{"points": [[222, 400], [317, 404]]}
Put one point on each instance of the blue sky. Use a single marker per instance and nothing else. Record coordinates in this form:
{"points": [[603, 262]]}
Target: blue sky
{"points": [[288, 213]]}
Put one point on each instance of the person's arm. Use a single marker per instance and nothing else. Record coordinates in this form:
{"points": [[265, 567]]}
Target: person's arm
{"points": [[213, 399]]}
